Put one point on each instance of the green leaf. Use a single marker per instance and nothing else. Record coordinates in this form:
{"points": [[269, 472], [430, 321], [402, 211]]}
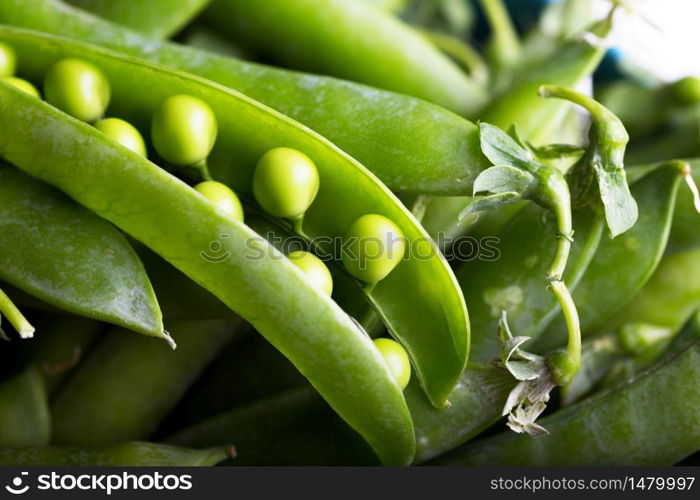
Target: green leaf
{"points": [[489, 202], [502, 149], [621, 210], [504, 179]]}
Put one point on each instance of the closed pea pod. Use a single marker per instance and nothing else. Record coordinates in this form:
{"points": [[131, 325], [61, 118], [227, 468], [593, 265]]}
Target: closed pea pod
{"points": [[55, 240], [115, 455], [124, 133], [128, 383], [350, 40], [24, 412], [78, 88], [628, 425], [155, 18]]}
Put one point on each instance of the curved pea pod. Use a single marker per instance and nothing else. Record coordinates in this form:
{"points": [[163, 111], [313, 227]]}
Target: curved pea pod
{"points": [[430, 320], [475, 404], [294, 427], [350, 40], [116, 455], [512, 281], [240, 362], [385, 131], [128, 384], [62, 345], [622, 265], [24, 410], [653, 419], [70, 258], [178, 224], [155, 18], [670, 296]]}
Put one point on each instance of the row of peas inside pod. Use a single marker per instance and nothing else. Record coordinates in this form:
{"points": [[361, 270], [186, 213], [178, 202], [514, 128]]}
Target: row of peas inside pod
{"points": [[285, 182]]}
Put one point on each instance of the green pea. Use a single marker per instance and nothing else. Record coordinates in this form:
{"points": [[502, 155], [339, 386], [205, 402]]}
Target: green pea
{"points": [[222, 197], [8, 60], [22, 85], [374, 245], [686, 91], [184, 130], [285, 182], [396, 358], [77, 88], [314, 268], [124, 133]]}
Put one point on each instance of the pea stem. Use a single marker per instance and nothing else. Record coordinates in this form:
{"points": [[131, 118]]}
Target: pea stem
{"points": [[505, 42], [465, 55], [15, 317], [565, 364], [203, 168], [564, 240]]}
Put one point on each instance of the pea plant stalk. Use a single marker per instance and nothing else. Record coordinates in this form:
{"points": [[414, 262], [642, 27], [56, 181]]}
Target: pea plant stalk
{"points": [[10, 311]]}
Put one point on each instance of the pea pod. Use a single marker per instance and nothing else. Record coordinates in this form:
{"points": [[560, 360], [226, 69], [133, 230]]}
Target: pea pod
{"points": [[519, 104], [179, 224], [63, 343], [24, 410], [670, 296], [127, 384], [115, 455], [70, 258], [512, 282], [431, 320], [652, 420], [294, 427], [157, 19], [351, 40], [616, 274], [441, 149]]}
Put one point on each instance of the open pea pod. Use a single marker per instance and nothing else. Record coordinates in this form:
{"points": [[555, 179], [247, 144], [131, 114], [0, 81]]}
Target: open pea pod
{"points": [[155, 18], [653, 419], [179, 224], [350, 40], [411, 145], [115, 455], [65, 255], [420, 300], [623, 264]]}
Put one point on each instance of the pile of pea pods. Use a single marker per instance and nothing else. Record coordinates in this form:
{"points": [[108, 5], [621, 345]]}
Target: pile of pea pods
{"points": [[342, 232]]}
